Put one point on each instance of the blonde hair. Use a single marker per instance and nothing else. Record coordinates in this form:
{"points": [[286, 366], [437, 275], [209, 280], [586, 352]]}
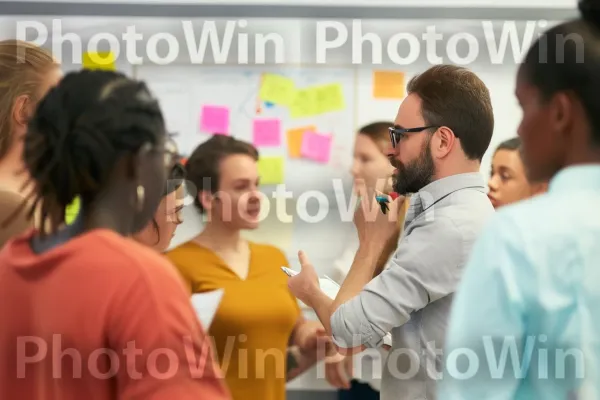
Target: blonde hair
{"points": [[22, 66]]}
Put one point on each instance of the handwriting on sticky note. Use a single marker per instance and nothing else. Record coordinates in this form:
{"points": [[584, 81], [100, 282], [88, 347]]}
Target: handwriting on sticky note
{"points": [[215, 119], [270, 170], [388, 85], [99, 60], [277, 89], [72, 211], [267, 132], [329, 98], [316, 146], [294, 140]]}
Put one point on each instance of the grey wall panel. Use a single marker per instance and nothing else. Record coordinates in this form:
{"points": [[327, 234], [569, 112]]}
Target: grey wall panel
{"points": [[277, 11]]}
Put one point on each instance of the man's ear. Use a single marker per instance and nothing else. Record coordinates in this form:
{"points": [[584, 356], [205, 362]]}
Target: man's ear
{"points": [[444, 142]]}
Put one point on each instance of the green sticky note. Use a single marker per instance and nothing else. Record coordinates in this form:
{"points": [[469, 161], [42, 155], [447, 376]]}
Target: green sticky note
{"points": [[277, 89], [270, 170], [72, 210], [330, 98]]}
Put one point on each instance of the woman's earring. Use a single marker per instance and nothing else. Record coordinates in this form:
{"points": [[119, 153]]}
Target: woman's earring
{"points": [[140, 197]]}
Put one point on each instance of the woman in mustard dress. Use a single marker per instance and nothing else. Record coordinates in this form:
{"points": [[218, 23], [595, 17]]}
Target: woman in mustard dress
{"points": [[258, 321]]}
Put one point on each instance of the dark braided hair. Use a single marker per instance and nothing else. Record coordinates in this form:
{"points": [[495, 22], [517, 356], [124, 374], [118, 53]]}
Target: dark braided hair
{"points": [[79, 131]]}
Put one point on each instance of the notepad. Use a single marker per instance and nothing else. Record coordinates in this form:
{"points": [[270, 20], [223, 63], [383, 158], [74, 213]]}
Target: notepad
{"points": [[206, 305]]}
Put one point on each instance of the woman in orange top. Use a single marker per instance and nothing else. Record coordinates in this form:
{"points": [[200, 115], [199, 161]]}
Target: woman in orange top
{"points": [[87, 312], [258, 318]]}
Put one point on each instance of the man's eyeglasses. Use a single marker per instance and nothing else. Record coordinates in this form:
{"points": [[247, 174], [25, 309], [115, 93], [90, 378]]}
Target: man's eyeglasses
{"points": [[397, 134]]}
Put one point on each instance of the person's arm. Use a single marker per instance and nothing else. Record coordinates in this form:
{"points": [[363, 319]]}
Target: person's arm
{"points": [[487, 318], [424, 268], [163, 351]]}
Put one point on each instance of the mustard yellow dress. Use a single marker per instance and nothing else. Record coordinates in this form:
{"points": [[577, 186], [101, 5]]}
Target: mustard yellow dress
{"points": [[255, 318]]}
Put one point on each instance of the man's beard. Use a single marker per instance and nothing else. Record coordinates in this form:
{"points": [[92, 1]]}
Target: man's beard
{"points": [[415, 175]]}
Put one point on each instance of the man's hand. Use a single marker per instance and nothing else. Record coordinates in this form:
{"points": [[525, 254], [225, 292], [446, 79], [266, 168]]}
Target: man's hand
{"points": [[305, 285], [373, 226], [338, 371]]}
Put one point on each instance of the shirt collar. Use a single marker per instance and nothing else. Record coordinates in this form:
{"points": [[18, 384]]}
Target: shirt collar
{"points": [[442, 187], [576, 178]]}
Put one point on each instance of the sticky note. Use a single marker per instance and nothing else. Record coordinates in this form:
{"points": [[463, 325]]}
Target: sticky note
{"points": [[270, 170], [329, 98], [277, 89], [294, 140], [304, 104], [267, 133], [388, 85], [100, 60], [72, 211], [316, 146], [215, 119]]}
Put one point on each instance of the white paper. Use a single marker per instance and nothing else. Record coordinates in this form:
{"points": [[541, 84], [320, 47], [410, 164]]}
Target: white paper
{"points": [[206, 305]]}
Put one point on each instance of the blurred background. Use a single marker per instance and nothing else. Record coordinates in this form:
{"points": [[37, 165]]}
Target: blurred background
{"points": [[281, 74]]}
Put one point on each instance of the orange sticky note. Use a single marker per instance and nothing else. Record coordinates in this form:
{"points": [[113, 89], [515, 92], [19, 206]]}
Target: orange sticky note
{"points": [[388, 85], [294, 140]]}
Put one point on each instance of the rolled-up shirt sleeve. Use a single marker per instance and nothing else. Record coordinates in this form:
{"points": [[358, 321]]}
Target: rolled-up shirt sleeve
{"points": [[425, 267]]}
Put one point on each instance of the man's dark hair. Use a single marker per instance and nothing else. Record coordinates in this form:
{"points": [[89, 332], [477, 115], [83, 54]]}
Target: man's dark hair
{"points": [[203, 166], [455, 97]]}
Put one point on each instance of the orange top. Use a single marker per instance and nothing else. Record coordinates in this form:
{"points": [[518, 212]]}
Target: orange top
{"points": [[100, 318], [255, 318]]}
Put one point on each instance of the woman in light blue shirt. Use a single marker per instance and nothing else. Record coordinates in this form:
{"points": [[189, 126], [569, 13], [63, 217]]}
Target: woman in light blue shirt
{"points": [[526, 319]]}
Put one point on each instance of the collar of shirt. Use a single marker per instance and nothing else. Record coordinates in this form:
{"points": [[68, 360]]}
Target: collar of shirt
{"points": [[579, 177], [437, 190]]}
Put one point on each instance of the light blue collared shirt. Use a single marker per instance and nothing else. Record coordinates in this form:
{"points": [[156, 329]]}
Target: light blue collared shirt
{"points": [[525, 322]]}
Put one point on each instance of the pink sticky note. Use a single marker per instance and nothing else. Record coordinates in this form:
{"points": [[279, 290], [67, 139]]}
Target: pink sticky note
{"points": [[215, 119], [267, 133], [316, 146]]}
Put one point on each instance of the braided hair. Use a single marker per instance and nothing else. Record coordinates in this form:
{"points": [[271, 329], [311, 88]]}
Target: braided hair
{"points": [[78, 133]]}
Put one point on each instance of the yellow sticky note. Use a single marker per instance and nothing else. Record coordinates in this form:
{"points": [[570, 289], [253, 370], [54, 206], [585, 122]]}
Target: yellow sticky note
{"points": [[277, 89], [72, 211], [270, 170], [388, 85], [101, 60], [304, 104], [294, 140], [330, 98]]}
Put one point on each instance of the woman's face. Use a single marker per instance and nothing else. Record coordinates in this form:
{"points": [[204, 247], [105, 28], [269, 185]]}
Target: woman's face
{"points": [[167, 217], [508, 182], [371, 168], [237, 203]]}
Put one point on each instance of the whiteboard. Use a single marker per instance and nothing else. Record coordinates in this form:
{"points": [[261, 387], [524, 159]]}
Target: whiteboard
{"points": [[184, 90]]}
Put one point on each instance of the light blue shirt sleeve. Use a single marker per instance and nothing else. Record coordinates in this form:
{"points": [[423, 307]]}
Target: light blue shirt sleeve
{"points": [[485, 339]]}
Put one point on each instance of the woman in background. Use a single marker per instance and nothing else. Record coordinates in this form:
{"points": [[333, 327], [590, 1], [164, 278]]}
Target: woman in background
{"points": [[27, 72], [160, 230], [508, 181], [112, 303], [371, 170], [258, 319]]}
